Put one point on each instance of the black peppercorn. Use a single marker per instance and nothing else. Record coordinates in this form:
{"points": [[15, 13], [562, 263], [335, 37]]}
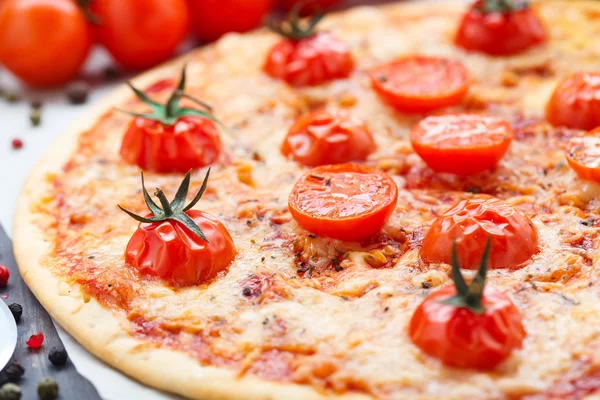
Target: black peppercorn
{"points": [[47, 389], [111, 73], [16, 310], [247, 291], [77, 92], [14, 372], [10, 391], [57, 356]]}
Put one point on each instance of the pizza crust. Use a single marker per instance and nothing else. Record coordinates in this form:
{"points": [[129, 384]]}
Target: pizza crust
{"points": [[96, 327]]}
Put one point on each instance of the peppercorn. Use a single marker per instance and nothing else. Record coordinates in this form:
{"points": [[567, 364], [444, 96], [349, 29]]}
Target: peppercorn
{"points": [[11, 97], [35, 116], [14, 372], [4, 275], [57, 356], [16, 310], [47, 389], [17, 144], [10, 391], [77, 92], [111, 73]]}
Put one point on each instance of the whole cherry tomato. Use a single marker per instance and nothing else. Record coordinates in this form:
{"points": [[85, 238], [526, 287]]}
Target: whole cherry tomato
{"points": [[500, 29], [211, 19], [583, 155], [306, 7], [43, 42], [140, 33], [343, 201], [461, 144], [417, 84], [171, 138], [575, 102], [328, 137], [513, 236], [182, 246], [468, 326], [305, 57], [192, 142]]}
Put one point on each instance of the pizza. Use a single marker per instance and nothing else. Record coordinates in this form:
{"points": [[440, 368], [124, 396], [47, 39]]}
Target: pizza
{"points": [[391, 202]]}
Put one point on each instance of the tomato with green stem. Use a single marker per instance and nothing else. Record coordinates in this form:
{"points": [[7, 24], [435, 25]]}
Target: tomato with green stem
{"points": [[468, 223], [348, 202], [139, 34], [171, 138], [468, 325], [305, 57], [43, 42], [328, 137], [500, 27], [182, 246], [461, 144]]}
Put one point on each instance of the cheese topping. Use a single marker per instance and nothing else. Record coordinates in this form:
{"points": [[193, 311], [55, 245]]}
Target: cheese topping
{"points": [[331, 314]]}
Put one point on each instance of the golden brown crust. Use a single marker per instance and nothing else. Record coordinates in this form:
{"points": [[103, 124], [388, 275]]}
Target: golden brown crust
{"points": [[99, 329]]}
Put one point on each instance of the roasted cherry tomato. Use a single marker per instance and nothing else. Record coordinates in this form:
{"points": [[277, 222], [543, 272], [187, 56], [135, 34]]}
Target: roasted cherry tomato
{"points": [[513, 236], [461, 144], [43, 42], [171, 139], [575, 102], [500, 28], [182, 246], [328, 137], [307, 7], [467, 326], [211, 19], [140, 33], [583, 155], [421, 83], [343, 201], [306, 58]]}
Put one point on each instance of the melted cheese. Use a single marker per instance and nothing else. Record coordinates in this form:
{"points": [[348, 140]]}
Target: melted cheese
{"points": [[341, 325]]}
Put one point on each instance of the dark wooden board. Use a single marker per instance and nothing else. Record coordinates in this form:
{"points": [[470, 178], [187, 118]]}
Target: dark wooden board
{"points": [[72, 386]]}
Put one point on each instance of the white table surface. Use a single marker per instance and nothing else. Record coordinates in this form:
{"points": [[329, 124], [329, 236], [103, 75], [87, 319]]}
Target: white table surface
{"points": [[57, 114]]}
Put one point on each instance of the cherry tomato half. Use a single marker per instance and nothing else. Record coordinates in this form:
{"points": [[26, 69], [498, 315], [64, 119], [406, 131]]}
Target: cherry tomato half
{"points": [[43, 42], [211, 19], [470, 222], [343, 201], [309, 61], [140, 34], [328, 137], [575, 102], [583, 155], [461, 144], [500, 33], [420, 83], [463, 339], [192, 142], [170, 251]]}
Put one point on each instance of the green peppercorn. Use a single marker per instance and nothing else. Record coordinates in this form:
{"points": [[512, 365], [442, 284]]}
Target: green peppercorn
{"points": [[35, 116], [10, 391], [11, 97], [47, 389]]}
